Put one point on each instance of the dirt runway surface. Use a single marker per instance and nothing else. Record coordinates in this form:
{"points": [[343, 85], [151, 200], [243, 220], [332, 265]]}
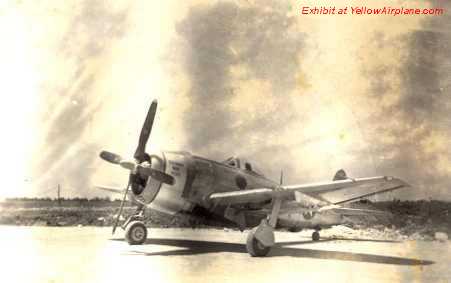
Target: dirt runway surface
{"points": [[91, 254]]}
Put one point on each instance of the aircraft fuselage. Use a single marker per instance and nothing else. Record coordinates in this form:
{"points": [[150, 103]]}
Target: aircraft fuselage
{"points": [[197, 177]]}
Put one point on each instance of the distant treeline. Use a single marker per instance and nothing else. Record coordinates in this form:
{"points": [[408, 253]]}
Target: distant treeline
{"points": [[418, 207], [26, 202], [61, 199]]}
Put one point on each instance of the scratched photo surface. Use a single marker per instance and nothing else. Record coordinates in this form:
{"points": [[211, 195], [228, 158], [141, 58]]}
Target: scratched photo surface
{"points": [[306, 94]]}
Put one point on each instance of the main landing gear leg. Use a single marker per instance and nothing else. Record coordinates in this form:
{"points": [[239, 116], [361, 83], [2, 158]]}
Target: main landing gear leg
{"points": [[135, 229], [261, 238]]}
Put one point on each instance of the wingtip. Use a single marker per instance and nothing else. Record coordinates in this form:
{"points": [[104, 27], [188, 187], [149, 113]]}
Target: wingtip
{"points": [[389, 178], [392, 178], [407, 185]]}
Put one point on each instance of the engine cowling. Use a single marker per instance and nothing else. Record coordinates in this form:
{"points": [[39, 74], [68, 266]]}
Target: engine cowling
{"points": [[163, 197]]}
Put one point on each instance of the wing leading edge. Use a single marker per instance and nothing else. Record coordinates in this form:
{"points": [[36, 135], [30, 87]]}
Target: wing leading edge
{"points": [[333, 192]]}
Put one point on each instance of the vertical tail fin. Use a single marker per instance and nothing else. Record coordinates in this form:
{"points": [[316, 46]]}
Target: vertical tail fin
{"points": [[340, 175]]}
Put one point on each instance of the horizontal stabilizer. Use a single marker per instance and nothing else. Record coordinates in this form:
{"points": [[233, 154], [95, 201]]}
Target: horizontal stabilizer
{"points": [[357, 211]]}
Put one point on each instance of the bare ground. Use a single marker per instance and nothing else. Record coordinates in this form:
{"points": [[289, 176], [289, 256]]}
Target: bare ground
{"points": [[91, 254]]}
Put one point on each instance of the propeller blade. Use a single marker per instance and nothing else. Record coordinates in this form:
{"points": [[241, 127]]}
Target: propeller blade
{"points": [[157, 175], [145, 131], [127, 164], [122, 206], [110, 157]]}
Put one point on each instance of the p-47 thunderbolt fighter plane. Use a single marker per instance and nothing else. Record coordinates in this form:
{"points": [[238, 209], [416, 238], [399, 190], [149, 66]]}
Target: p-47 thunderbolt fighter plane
{"points": [[233, 190]]}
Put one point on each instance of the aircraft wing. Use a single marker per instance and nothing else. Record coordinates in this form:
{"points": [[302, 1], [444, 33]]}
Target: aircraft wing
{"points": [[333, 192], [111, 189], [130, 196]]}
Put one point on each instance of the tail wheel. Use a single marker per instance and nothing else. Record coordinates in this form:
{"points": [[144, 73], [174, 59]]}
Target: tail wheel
{"points": [[315, 236], [136, 233], [254, 247]]}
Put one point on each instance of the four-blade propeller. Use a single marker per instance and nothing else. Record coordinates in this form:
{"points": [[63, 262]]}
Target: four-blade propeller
{"points": [[138, 166]]}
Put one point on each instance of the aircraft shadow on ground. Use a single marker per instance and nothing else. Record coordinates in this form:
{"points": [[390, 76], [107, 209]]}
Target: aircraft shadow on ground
{"points": [[196, 247]]}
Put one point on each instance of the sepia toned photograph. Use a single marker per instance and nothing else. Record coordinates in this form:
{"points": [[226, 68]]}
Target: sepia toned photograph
{"points": [[225, 141]]}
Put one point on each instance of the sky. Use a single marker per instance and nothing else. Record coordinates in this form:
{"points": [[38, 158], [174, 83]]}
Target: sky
{"points": [[306, 94]]}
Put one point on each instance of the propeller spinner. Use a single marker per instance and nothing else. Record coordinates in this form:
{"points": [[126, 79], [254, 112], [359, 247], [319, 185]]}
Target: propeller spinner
{"points": [[138, 166]]}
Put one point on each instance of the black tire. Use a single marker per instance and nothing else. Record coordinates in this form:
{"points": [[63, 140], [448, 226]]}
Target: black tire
{"points": [[315, 236], [254, 247], [136, 233]]}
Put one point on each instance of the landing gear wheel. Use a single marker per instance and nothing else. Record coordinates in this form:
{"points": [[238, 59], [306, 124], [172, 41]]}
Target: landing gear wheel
{"points": [[136, 233], [254, 247], [315, 236]]}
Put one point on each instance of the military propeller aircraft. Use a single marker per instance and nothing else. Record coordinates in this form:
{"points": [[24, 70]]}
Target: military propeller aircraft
{"points": [[233, 190]]}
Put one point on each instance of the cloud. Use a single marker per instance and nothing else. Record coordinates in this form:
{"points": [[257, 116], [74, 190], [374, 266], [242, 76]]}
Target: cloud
{"points": [[242, 62], [412, 123], [66, 154], [254, 74], [309, 95]]}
